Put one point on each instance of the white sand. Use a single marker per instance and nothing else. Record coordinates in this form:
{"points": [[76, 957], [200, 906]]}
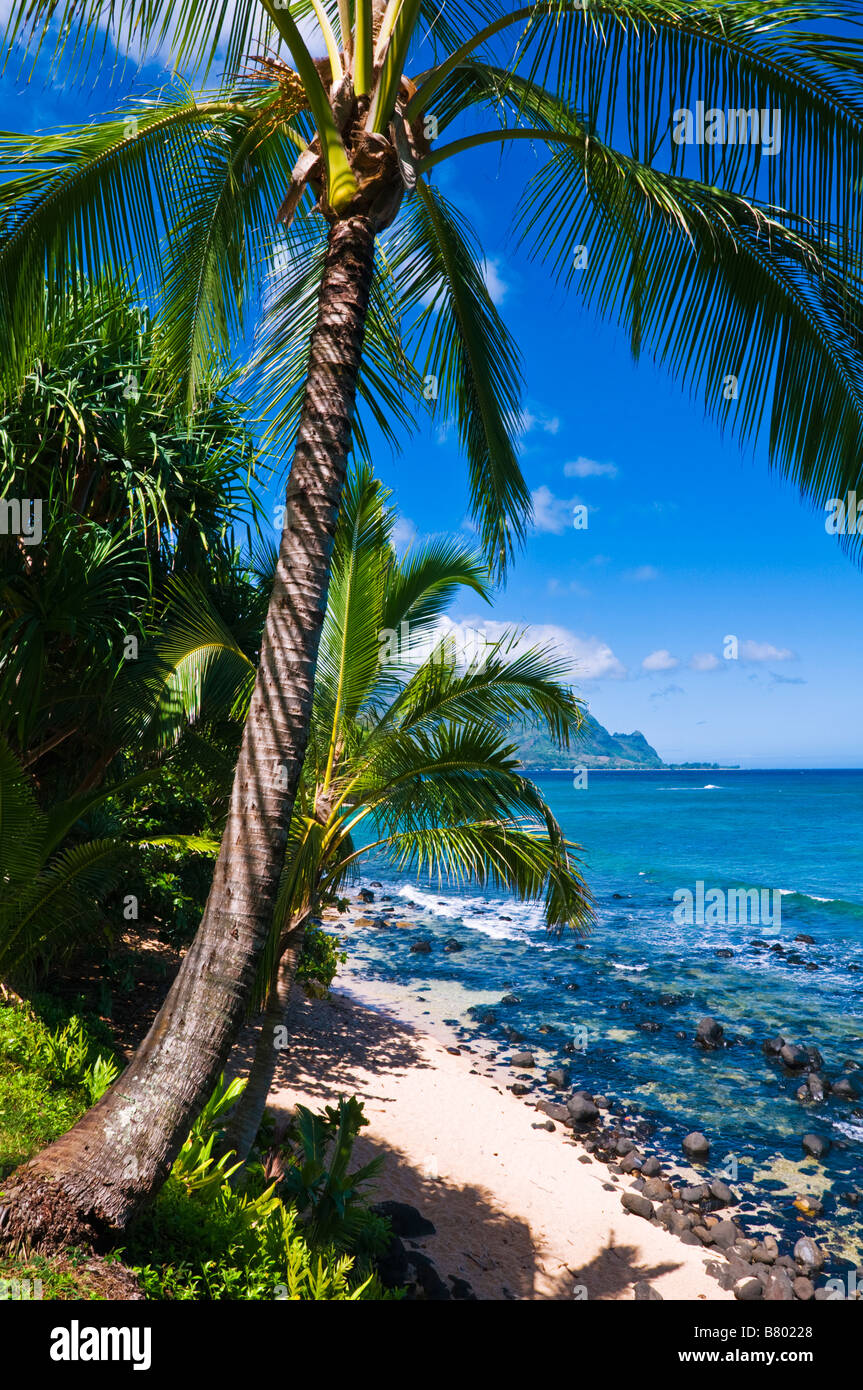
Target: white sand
{"points": [[519, 1212]]}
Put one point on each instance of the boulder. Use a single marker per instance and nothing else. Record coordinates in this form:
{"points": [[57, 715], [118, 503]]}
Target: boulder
{"points": [[522, 1059], [582, 1108], [709, 1033], [803, 1288], [422, 947], [451, 946], [558, 1077], [657, 1189], [816, 1145], [773, 1046], [696, 1147], [845, 1089], [747, 1289], [724, 1234], [637, 1204], [779, 1287], [722, 1193], [794, 1057], [805, 938], [405, 1221], [646, 1293], [461, 1289], [433, 1287], [554, 1111], [365, 896], [808, 1254]]}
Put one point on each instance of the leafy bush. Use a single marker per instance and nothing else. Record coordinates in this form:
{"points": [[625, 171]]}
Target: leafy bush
{"points": [[196, 1165], [308, 1238], [238, 1246], [35, 1107], [67, 1056], [317, 1181], [320, 957]]}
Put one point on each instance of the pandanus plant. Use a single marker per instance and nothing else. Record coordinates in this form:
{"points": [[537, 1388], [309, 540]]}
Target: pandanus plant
{"points": [[723, 263]]}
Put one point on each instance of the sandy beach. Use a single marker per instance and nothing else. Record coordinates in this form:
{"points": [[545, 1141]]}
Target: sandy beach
{"points": [[519, 1212]]}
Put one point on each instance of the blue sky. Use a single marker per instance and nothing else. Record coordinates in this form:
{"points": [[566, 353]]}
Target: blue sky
{"points": [[688, 541]]}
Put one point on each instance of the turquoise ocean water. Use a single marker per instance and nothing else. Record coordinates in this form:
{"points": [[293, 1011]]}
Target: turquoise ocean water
{"points": [[630, 994]]}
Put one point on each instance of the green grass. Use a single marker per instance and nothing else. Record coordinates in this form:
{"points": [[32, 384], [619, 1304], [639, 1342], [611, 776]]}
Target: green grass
{"points": [[34, 1108]]}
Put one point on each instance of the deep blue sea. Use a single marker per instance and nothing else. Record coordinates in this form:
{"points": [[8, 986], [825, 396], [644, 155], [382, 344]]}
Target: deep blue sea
{"points": [[644, 836]]}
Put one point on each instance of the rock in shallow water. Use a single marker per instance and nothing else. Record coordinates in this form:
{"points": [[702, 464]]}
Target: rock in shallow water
{"points": [[709, 1033], [696, 1146], [522, 1059], [808, 1254], [816, 1146]]}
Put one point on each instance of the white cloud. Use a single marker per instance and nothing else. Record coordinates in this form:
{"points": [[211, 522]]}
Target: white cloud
{"points": [[660, 660], [549, 424], [643, 574], [589, 468], [551, 514], [494, 281], [764, 651], [704, 661], [584, 658], [404, 533], [555, 586]]}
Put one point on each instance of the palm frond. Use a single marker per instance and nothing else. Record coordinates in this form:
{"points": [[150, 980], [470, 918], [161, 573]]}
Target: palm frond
{"points": [[470, 356]]}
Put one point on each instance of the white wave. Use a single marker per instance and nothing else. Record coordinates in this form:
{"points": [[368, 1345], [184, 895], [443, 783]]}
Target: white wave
{"points": [[635, 969], [849, 1129], [481, 914], [798, 893]]}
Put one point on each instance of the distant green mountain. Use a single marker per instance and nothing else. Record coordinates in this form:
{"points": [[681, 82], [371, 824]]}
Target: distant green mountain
{"points": [[594, 747]]}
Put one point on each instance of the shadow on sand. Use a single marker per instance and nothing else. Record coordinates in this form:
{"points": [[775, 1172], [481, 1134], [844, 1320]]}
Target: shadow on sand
{"points": [[474, 1240]]}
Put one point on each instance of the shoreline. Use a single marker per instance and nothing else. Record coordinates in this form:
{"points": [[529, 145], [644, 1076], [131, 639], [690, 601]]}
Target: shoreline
{"points": [[521, 1209]]}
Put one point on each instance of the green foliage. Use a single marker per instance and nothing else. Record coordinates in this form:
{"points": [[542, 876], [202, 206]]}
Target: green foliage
{"points": [[67, 1056], [206, 1238], [238, 1246], [36, 1105], [320, 957], [317, 1181], [196, 1166]]}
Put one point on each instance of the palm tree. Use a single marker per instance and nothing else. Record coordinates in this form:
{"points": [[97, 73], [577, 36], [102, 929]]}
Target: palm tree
{"points": [[414, 743], [724, 264]]}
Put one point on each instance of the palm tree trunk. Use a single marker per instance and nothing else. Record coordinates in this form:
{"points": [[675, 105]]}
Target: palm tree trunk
{"points": [[91, 1182], [247, 1114]]}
